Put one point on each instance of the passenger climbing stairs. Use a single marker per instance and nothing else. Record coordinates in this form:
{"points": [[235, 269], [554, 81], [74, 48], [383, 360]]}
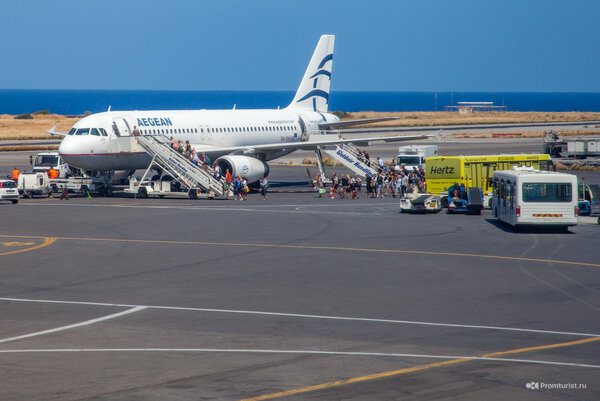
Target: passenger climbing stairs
{"points": [[191, 177]]}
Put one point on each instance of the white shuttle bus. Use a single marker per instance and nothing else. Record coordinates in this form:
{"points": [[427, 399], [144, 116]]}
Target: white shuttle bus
{"points": [[527, 197]]}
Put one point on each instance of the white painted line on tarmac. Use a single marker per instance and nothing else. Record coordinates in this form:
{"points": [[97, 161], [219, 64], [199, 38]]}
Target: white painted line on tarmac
{"points": [[72, 326], [292, 352], [305, 208], [306, 316]]}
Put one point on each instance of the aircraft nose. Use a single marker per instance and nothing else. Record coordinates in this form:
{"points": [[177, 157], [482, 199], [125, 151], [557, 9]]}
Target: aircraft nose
{"points": [[71, 150], [67, 147]]}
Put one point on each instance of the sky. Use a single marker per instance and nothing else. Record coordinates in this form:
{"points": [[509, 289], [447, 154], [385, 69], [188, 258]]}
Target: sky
{"points": [[381, 45]]}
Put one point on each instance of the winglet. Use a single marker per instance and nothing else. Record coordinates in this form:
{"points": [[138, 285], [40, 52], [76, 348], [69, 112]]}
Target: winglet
{"points": [[53, 132]]}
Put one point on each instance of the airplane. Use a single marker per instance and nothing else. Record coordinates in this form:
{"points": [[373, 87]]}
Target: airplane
{"points": [[234, 139]]}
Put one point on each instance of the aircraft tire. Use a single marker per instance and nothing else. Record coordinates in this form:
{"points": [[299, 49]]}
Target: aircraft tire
{"points": [[142, 193], [14, 201]]}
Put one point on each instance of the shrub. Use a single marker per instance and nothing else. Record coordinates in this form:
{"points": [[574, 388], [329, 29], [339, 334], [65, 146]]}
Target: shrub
{"points": [[42, 113], [25, 116]]}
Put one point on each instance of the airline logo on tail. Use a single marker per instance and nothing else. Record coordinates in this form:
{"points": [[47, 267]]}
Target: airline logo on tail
{"points": [[313, 92]]}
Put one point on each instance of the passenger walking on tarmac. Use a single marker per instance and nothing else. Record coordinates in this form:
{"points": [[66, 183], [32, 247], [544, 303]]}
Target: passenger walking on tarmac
{"points": [[335, 182], [264, 185], [245, 188], [357, 185], [15, 174], [380, 163], [237, 184], [319, 184], [369, 184], [344, 186], [403, 183], [379, 185], [227, 182]]}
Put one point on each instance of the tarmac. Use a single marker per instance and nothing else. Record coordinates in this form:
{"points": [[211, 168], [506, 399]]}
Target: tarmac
{"points": [[293, 298]]}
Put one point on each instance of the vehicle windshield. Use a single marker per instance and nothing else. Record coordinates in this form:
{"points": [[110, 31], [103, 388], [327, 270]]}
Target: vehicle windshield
{"points": [[46, 160], [547, 192], [408, 160], [8, 184]]}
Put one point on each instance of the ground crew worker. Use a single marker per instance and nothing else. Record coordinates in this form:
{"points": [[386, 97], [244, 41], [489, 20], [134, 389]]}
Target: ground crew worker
{"points": [[15, 174], [52, 173]]}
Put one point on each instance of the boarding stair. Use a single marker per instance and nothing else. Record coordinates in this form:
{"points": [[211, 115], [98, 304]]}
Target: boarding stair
{"points": [[189, 175], [349, 156]]}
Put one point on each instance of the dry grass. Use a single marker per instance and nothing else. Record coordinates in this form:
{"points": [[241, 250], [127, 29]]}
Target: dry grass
{"points": [[416, 119], [11, 129]]}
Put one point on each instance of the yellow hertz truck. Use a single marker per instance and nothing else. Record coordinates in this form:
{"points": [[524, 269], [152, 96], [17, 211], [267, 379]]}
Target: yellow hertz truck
{"points": [[474, 171]]}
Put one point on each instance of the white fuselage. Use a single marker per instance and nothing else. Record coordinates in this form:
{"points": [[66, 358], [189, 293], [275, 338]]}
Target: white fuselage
{"points": [[104, 141]]}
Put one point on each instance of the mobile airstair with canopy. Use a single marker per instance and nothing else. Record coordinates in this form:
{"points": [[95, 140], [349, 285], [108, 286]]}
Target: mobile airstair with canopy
{"points": [[187, 178]]}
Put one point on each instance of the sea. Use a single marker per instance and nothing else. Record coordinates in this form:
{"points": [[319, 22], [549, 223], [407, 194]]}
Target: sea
{"points": [[78, 102]]}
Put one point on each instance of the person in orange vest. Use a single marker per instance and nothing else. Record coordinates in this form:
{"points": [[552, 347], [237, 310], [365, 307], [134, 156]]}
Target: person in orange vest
{"points": [[52, 173], [15, 174]]}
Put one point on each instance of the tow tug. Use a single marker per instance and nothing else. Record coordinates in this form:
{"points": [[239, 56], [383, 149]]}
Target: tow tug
{"points": [[414, 202], [465, 200]]}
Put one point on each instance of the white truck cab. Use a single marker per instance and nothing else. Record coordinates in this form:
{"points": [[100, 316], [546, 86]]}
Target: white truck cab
{"points": [[414, 155], [43, 161]]}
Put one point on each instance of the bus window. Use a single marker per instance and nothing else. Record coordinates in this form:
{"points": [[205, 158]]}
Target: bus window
{"points": [[547, 192]]}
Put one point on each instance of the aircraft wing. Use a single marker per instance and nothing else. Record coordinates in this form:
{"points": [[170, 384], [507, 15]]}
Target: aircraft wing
{"points": [[349, 123], [315, 142], [54, 132]]}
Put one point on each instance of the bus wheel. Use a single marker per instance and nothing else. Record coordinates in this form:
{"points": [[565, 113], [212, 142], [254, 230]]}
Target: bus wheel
{"points": [[15, 201]]}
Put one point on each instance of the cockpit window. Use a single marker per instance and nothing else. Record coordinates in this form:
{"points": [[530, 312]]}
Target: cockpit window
{"points": [[95, 132], [83, 131], [72, 132], [103, 131]]}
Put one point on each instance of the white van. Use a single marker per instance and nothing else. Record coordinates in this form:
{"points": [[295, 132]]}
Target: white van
{"points": [[527, 197]]}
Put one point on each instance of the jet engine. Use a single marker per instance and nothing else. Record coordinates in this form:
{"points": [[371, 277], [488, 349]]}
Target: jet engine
{"points": [[244, 166]]}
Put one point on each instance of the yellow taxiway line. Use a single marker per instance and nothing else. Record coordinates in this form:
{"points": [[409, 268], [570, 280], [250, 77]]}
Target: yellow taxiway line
{"points": [[360, 379], [327, 248], [47, 241]]}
